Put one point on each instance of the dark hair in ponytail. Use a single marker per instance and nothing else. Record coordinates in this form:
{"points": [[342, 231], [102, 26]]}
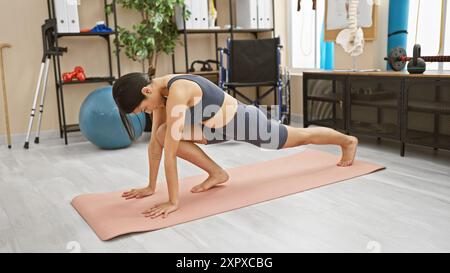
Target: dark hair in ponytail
{"points": [[127, 95]]}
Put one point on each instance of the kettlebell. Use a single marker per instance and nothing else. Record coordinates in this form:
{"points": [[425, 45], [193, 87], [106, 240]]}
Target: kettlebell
{"points": [[417, 65]]}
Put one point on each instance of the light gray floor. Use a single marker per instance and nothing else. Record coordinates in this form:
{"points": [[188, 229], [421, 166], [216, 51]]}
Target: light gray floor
{"points": [[405, 208]]}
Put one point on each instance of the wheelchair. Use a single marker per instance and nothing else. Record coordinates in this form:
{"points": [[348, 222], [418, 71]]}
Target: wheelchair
{"points": [[256, 63]]}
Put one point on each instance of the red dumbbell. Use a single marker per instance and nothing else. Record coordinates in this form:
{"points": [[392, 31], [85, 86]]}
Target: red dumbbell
{"points": [[80, 75], [77, 73]]}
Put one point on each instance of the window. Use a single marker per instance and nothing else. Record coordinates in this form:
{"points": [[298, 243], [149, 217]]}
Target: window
{"points": [[427, 32], [304, 34]]}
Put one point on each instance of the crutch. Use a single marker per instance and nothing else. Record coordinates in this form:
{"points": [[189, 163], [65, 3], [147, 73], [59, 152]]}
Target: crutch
{"points": [[50, 49], [43, 77], [3, 79], [44, 91]]}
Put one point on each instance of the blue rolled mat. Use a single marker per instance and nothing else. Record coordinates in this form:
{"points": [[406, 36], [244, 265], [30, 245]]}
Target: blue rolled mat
{"points": [[398, 25]]}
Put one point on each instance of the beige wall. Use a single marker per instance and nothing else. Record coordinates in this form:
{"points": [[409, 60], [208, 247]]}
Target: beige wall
{"points": [[22, 61], [20, 25]]}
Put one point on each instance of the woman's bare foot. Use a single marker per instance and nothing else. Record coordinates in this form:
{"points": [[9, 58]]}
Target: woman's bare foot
{"points": [[348, 152], [213, 179]]}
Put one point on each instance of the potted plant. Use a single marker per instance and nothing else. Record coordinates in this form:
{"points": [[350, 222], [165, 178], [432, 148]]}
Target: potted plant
{"points": [[155, 33]]}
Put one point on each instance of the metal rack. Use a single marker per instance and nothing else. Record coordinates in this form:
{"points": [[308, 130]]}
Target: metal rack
{"points": [[231, 31], [63, 126], [331, 105]]}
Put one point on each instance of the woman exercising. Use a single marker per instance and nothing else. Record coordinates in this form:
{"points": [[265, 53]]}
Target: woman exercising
{"points": [[189, 109]]}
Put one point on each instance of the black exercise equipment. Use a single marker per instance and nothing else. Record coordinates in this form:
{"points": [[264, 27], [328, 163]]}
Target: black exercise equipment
{"points": [[212, 61], [205, 66], [417, 65], [397, 60]]}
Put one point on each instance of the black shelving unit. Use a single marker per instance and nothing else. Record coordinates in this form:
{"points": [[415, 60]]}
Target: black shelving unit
{"points": [[427, 100], [231, 31], [419, 105], [65, 128]]}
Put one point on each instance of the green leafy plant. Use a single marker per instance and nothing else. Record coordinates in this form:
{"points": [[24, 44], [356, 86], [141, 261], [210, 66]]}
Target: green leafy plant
{"points": [[157, 31]]}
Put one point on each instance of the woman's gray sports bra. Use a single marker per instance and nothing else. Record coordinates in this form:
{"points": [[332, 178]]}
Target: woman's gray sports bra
{"points": [[211, 101]]}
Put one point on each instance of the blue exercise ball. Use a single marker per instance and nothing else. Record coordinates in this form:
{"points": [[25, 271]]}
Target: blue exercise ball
{"points": [[101, 124]]}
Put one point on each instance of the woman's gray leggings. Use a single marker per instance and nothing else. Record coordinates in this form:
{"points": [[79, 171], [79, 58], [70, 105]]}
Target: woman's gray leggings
{"points": [[251, 125]]}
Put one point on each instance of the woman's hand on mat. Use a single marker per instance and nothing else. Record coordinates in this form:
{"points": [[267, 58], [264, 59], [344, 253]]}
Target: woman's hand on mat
{"points": [[138, 193], [161, 209]]}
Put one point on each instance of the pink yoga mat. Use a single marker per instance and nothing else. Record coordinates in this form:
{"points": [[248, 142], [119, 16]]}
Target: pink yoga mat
{"points": [[109, 215]]}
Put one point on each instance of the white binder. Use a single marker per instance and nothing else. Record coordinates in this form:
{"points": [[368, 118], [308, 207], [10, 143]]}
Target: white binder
{"points": [[247, 13], [268, 9], [261, 14], [195, 14], [199, 13], [203, 13], [179, 15], [72, 16], [61, 16]]}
